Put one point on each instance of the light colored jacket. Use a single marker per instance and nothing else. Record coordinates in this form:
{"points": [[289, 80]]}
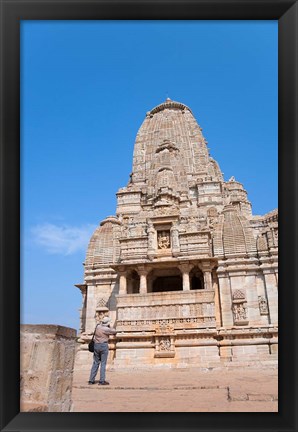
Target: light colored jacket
{"points": [[102, 333]]}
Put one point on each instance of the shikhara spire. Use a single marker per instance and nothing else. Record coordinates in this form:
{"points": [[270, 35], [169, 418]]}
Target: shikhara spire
{"points": [[182, 255]]}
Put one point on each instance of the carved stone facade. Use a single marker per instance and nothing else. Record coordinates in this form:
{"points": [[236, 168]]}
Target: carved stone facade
{"points": [[187, 273]]}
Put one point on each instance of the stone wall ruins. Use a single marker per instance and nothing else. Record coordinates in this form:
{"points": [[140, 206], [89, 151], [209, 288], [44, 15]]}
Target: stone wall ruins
{"points": [[47, 355]]}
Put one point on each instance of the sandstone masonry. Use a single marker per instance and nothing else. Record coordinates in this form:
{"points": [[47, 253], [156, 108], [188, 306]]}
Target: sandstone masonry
{"points": [[186, 271], [47, 360]]}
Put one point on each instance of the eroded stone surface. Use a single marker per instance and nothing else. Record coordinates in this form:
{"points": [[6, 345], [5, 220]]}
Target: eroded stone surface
{"points": [[47, 360]]}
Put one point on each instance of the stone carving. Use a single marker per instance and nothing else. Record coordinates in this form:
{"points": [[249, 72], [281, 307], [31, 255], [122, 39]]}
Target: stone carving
{"points": [[102, 303], [164, 327], [263, 305], [238, 295], [177, 209], [165, 344], [239, 308], [239, 311], [163, 240]]}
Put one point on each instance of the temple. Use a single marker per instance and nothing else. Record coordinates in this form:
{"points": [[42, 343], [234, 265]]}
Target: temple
{"points": [[184, 269]]}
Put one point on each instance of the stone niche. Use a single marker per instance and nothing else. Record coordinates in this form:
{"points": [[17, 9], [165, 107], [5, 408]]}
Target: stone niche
{"points": [[47, 361]]}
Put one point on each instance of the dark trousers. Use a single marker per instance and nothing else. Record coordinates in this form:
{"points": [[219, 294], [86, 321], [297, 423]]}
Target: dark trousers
{"points": [[100, 355]]}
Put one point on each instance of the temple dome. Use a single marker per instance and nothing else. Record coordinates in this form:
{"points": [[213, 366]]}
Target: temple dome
{"points": [[103, 247], [233, 235]]}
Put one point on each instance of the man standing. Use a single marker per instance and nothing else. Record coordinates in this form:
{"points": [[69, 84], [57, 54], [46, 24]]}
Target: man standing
{"points": [[101, 351]]}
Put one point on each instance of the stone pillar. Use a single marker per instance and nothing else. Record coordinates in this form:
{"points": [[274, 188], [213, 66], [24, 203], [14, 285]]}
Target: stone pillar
{"points": [[185, 268], [225, 299], [206, 267], [216, 300], [143, 281], [272, 294], [262, 295], [83, 289], [175, 240], [122, 283], [90, 309], [207, 280], [152, 241], [254, 316]]}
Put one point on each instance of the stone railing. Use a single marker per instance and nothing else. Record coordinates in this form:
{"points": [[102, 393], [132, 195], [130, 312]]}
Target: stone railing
{"points": [[191, 309]]}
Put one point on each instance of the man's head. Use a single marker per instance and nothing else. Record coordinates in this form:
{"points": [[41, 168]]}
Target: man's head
{"points": [[105, 321]]}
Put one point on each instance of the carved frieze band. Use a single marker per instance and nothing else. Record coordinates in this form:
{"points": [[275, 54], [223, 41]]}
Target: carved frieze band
{"points": [[171, 321], [166, 311]]}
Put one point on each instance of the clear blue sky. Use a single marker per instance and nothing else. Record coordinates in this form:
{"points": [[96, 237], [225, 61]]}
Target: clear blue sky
{"points": [[85, 89]]}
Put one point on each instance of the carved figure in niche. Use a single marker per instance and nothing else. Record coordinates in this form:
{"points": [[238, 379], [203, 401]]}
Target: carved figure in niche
{"points": [[163, 239], [165, 345], [239, 311], [263, 305]]}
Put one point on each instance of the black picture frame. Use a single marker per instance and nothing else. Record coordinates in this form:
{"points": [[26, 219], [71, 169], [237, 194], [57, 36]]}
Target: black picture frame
{"points": [[286, 12]]}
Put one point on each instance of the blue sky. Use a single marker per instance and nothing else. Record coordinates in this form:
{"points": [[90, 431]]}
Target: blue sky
{"points": [[85, 89]]}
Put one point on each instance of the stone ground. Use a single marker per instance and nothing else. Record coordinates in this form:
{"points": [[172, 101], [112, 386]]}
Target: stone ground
{"points": [[237, 389]]}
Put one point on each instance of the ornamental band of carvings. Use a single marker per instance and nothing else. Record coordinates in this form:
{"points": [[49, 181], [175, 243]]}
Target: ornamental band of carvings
{"points": [[167, 311], [208, 320]]}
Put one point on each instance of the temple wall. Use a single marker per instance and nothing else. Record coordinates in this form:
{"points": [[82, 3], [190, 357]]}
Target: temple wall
{"points": [[47, 362]]}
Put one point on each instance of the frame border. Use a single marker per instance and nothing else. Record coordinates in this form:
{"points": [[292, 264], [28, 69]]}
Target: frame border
{"points": [[12, 12]]}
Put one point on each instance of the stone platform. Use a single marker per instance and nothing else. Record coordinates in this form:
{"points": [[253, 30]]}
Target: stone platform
{"points": [[234, 389]]}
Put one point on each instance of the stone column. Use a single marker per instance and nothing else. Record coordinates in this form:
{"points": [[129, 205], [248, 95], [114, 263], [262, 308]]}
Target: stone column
{"points": [[90, 309], [206, 267], [262, 295], [225, 299], [185, 268], [175, 240], [254, 316], [122, 283], [152, 241], [143, 281], [207, 280], [216, 300], [272, 294]]}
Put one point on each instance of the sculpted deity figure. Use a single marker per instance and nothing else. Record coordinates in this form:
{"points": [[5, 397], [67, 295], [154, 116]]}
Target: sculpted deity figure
{"points": [[239, 311], [163, 240], [263, 305], [165, 345]]}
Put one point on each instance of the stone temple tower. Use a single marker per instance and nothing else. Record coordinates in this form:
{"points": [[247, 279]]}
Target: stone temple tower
{"points": [[186, 272]]}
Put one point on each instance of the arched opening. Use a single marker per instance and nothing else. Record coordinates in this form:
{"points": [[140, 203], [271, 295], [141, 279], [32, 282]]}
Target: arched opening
{"points": [[196, 279], [133, 282], [163, 280]]}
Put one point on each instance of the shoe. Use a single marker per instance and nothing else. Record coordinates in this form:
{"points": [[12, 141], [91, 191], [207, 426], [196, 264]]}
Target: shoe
{"points": [[103, 383], [91, 382]]}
